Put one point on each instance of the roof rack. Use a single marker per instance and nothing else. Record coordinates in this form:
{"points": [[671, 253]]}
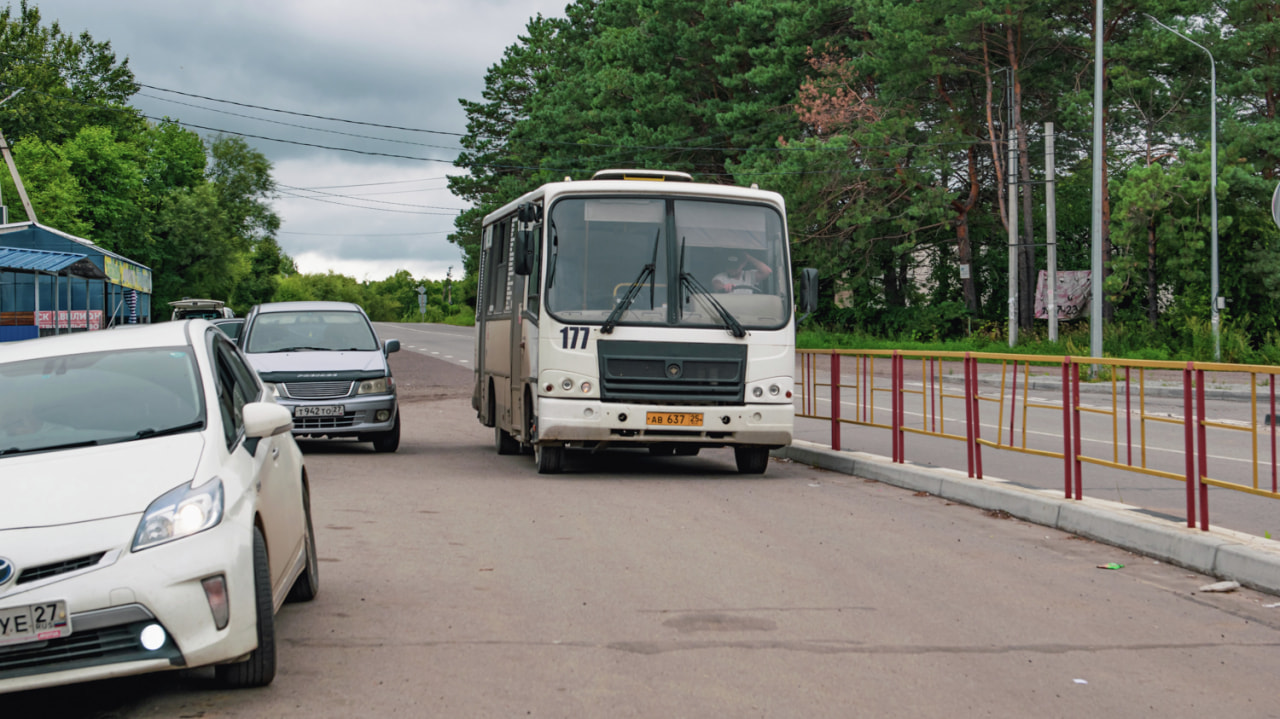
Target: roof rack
{"points": [[649, 175]]}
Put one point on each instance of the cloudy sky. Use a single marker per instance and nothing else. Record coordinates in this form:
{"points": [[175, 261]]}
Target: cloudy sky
{"points": [[392, 69]]}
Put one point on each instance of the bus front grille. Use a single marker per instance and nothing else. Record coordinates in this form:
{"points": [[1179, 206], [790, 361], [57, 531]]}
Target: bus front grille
{"points": [[672, 372]]}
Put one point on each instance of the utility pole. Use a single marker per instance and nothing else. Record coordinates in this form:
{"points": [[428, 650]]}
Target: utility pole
{"points": [[1012, 136], [1215, 302], [13, 170], [1051, 231], [1095, 265]]}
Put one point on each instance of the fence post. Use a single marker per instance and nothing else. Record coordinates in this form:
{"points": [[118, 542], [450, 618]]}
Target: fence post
{"points": [[1066, 427], [1078, 469], [969, 442], [896, 399], [1203, 455], [1189, 444], [835, 400], [977, 422]]}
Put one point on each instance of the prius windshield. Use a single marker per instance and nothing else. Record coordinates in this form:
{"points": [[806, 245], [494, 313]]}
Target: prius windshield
{"points": [[667, 261], [98, 398]]}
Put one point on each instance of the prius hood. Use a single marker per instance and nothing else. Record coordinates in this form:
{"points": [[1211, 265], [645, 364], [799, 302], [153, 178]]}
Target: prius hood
{"points": [[318, 366], [81, 485]]}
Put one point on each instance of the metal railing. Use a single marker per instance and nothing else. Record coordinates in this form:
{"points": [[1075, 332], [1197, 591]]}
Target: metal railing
{"points": [[855, 385]]}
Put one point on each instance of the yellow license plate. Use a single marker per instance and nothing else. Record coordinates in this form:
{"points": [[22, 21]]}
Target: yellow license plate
{"points": [[674, 419]]}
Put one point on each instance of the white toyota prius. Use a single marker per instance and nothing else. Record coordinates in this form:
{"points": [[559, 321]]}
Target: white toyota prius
{"points": [[154, 508]]}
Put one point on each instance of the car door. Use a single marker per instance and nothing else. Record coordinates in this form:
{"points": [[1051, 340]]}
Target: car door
{"points": [[272, 463]]}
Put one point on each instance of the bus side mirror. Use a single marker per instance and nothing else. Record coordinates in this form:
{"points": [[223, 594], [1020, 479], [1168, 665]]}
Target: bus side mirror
{"points": [[522, 253], [808, 290]]}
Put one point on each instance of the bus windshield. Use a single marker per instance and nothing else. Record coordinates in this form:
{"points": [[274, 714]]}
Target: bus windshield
{"points": [[713, 264]]}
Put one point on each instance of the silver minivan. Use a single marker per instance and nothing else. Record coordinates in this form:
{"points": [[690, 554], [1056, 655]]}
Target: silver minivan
{"points": [[328, 368]]}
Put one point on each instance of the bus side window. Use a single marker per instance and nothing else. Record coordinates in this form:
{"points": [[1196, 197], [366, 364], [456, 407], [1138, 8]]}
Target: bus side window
{"points": [[534, 281], [499, 245]]}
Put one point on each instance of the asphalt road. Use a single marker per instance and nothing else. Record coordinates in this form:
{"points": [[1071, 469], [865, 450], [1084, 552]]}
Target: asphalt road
{"points": [[455, 582]]}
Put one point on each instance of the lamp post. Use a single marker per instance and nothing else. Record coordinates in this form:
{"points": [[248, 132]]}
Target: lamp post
{"points": [[1214, 301]]}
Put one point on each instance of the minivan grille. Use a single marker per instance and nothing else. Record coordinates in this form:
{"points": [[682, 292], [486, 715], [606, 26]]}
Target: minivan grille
{"points": [[317, 390]]}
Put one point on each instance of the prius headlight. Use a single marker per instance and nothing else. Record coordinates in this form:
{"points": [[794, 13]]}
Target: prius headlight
{"points": [[382, 385], [180, 512]]}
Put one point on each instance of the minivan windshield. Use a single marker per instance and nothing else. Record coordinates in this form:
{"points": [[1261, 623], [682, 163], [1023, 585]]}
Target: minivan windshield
{"points": [[310, 331]]}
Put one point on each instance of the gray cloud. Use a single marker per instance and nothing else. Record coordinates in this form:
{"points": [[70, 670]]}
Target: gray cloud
{"points": [[402, 63]]}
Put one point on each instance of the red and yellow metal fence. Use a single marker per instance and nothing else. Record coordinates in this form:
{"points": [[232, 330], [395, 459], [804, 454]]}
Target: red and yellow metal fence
{"points": [[857, 384]]}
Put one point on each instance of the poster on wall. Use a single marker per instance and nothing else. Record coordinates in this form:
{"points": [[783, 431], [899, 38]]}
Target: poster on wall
{"points": [[1072, 296]]}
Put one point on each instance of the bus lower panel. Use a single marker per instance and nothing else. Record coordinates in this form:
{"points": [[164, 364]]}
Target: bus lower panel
{"points": [[563, 420]]}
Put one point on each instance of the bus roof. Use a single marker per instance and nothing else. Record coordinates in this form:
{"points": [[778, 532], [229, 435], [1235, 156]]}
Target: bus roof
{"points": [[638, 186]]}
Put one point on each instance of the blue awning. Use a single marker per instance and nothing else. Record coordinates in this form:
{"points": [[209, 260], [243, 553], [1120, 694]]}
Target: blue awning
{"points": [[16, 258]]}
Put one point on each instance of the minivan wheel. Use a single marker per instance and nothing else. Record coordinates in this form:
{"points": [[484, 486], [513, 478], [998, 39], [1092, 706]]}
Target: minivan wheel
{"points": [[388, 441]]}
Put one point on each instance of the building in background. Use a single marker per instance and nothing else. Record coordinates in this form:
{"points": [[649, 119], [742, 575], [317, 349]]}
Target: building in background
{"points": [[53, 282]]}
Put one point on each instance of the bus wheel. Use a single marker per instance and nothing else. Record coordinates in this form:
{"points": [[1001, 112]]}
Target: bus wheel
{"points": [[550, 459], [751, 460], [504, 442]]}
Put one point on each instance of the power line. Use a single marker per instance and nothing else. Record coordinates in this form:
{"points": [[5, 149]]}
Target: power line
{"points": [[302, 114], [301, 127]]}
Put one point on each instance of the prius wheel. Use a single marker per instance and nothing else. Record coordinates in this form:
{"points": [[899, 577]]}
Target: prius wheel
{"points": [[550, 459], [307, 585], [260, 668], [388, 441], [751, 460]]}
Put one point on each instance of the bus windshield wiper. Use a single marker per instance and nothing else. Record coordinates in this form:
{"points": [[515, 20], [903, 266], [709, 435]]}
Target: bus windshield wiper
{"points": [[632, 291], [696, 289], [646, 273]]}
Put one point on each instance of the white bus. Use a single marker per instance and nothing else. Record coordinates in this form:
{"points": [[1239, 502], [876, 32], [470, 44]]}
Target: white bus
{"points": [[637, 309]]}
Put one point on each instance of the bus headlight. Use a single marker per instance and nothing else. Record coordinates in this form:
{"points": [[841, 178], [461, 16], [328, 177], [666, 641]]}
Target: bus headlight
{"points": [[774, 390], [566, 384], [586, 388], [758, 391]]}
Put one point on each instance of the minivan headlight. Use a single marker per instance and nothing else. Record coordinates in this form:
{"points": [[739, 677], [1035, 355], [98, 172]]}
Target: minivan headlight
{"points": [[382, 385], [180, 512]]}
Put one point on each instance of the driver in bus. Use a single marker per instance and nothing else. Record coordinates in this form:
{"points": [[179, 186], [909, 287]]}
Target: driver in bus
{"points": [[737, 277]]}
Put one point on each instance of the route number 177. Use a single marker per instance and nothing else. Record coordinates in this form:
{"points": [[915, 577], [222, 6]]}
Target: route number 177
{"points": [[569, 337]]}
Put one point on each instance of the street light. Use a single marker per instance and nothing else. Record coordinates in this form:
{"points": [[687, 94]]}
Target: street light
{"points": [[1213, 186]]}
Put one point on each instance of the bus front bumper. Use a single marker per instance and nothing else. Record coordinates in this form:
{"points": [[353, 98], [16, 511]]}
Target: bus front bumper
{"points": [[592, 421]]}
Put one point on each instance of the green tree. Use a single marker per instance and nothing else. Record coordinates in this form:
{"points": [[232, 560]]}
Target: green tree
{"points": [[67, 82]]}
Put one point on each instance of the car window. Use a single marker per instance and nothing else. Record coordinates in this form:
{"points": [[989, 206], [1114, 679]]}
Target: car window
{"points": [[314, 330], [98, 398], [237, 386]]}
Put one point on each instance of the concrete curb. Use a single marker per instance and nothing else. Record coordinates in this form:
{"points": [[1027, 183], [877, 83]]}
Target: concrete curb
{"points": [[1252, 561]]}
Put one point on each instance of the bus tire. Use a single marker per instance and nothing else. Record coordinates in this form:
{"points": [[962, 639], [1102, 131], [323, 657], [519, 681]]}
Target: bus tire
{"points": [[504, 442], [751, 459], [550, 459]]}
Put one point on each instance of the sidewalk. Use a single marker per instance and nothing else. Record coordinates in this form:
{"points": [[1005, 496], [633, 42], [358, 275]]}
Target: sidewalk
{"points": [[1252, 561]]}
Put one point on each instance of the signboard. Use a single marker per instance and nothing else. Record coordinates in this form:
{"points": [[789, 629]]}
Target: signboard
{"points": [[126, 274], [1072, 297], [1275, 205], [73, 319]]}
